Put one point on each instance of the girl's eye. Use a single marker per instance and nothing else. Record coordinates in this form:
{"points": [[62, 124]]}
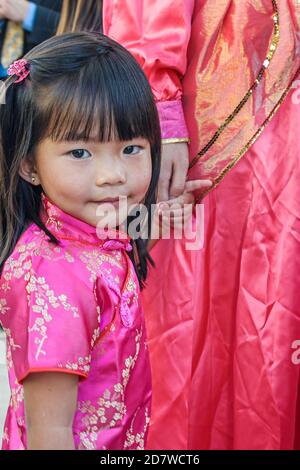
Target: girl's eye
{"points": [[80, 154], [132, 149]]}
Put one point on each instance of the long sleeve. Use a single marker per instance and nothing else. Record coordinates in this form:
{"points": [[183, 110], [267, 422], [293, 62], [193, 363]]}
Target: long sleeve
{"points": [[157, 33]]}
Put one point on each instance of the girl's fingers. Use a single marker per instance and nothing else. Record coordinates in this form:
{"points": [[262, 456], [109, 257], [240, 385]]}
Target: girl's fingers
{"points": [[178, 217], [173, 224], [193, 185], [187, 196], [178, 212]]}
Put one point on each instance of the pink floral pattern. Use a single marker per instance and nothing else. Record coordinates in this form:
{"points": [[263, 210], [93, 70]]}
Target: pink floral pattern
{"points": [[84, 289]]}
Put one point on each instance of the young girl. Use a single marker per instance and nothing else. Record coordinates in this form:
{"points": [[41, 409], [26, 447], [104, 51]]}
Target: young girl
{"points": [[79, 129]]}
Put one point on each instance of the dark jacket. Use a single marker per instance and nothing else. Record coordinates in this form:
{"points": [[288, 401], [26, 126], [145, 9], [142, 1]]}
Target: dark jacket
{"points": [[45, 24]]}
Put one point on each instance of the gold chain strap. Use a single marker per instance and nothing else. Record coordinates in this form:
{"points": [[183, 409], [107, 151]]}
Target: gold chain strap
{"points": [[266, 63], [251, 141]]}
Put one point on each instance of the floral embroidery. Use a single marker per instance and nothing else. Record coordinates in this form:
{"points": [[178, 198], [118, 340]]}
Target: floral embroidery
{"points": [[16, 267], [50, 251], [11, 346], [112, 411], [3, 307], [97, 332], [112, 408], [99, 263], [130, 361], [137, 440], [82, 365], [44, 295], [53, 215], [17, 398], [129, 297], [132, 288], [5, 435]]}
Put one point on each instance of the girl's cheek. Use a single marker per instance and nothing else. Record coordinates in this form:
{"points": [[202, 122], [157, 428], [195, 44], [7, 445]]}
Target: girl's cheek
{"points": [[146, 171], [145, 181]]}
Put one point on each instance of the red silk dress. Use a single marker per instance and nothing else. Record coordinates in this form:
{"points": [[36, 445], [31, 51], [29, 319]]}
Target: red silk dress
{"points": [[223, 322]]}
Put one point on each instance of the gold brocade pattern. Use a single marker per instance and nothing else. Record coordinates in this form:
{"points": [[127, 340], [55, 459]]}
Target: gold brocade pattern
{"points": [[232, 164], [232, 65], [269, 57]]}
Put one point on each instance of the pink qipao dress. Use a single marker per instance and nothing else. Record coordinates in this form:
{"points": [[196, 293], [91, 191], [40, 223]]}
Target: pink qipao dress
{"points": [[75, 308]]}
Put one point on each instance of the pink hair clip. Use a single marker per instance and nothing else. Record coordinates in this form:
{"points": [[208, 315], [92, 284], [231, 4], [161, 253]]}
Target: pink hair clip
{"points": [[19, 68]]}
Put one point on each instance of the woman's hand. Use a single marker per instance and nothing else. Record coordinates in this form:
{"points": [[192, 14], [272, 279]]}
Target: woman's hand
{"points": [[174, 168]]}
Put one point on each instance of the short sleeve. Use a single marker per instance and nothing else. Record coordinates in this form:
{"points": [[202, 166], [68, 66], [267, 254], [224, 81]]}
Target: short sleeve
{"points": [[52, 316]]}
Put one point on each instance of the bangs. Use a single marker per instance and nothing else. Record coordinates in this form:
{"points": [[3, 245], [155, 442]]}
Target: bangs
{"points": [[81, 86], [105, 100]]}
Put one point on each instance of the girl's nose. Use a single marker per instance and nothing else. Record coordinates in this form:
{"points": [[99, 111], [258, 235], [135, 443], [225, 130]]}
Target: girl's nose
{"points": [[111, 174]]}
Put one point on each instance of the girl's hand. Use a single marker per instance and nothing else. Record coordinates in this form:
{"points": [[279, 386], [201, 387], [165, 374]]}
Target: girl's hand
{"points": [[179, 210], [176, 212]]}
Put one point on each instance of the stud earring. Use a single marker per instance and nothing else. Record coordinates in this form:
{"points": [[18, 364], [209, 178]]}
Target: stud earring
{"points": [[33, 179]]}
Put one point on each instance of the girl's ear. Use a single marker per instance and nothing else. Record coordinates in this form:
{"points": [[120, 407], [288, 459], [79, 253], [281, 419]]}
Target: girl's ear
{"points": [[28, 173]]}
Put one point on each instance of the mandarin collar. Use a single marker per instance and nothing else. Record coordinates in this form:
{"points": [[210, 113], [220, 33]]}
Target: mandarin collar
{"points": [[66, 226]]}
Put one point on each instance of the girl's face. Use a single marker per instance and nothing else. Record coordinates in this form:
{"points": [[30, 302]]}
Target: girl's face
{"points": [[90, 179]]}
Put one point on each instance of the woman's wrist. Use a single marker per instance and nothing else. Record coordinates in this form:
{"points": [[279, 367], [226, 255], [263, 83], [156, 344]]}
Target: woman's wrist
{"points": [[172, 121]]}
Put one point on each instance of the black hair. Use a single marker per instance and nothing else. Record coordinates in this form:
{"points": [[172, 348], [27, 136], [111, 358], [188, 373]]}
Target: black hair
{"points": [[75, 80]]}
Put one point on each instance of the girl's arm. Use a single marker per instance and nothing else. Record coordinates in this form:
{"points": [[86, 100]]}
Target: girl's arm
{"points": [[50, 404]]}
